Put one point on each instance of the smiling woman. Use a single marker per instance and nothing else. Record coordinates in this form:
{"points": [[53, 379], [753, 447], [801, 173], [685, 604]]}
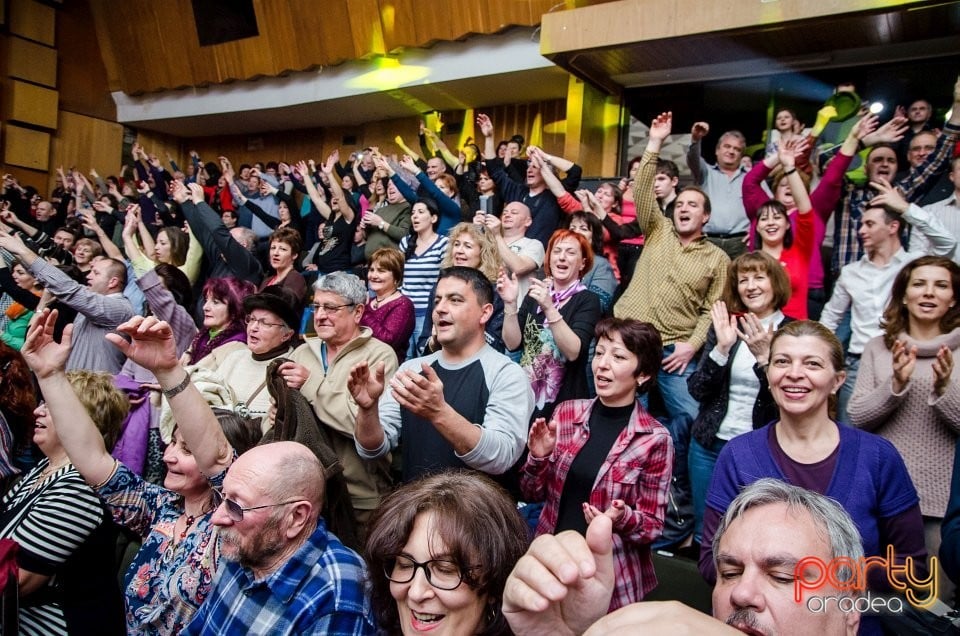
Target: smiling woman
{"points": [[608, 456], [805, 447], [907, 391], [439, 553]]}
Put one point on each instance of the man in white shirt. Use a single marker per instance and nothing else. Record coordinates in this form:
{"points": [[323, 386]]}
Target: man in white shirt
{"points": [[521, 255], [946, 212], [864, 285]]}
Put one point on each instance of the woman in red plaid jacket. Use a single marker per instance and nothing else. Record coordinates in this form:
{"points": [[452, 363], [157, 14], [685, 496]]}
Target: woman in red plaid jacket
{"points": [[608, 456]]}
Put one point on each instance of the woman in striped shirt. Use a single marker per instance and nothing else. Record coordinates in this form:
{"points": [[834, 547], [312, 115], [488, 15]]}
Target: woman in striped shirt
{"points": [[423, 250]]}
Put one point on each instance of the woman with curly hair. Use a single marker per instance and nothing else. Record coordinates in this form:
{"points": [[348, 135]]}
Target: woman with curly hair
{"points": [[469, 246], [18, 398]]}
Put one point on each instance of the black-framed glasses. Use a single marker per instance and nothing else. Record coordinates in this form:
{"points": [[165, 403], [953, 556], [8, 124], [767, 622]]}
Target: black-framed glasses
{"points": [[235, 510], [442, 574], [330, 309], [263, 323]]}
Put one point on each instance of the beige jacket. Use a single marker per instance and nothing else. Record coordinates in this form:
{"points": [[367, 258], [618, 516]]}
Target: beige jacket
{"points": [[367, 480]]}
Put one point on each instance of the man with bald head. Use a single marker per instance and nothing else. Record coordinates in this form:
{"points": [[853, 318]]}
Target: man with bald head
{"points": [[284, 572]]}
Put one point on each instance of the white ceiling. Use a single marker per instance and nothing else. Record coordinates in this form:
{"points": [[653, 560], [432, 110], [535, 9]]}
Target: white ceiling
{"points": [[476, 73]]}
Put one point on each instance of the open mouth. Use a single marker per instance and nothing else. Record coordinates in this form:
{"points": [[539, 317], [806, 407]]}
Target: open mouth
{"points": [[425, 621]]}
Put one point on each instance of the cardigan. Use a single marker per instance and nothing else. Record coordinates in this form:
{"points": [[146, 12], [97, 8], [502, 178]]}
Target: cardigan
{"points": [[710, 385], [922, 426], [870, 482]]}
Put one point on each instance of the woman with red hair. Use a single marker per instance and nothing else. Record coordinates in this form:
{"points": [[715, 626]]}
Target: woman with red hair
{"points": [[553, 325]]}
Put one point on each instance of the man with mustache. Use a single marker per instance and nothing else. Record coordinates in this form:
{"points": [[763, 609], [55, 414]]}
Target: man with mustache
{"points": [[562, 583]]}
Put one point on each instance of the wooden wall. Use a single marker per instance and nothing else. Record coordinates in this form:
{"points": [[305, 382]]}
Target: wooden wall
{"points": [[150, 46], [317, 143]]}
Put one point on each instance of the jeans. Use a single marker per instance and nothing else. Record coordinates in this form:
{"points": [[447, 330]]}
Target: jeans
{"points": [[417, 328], [701, 462], [852, 363], [673, 389]]}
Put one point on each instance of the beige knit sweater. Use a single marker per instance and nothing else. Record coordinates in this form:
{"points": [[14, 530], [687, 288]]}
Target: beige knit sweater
{"points": [[923, 427]]}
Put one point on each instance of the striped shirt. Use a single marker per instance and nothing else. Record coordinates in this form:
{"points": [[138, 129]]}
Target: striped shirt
{"points": [[50, 519], [319, 590], [674, 285], [420, 273]]}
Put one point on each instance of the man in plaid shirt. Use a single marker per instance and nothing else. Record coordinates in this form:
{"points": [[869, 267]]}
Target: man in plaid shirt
{"points": [[882, 163], [285, 573]]}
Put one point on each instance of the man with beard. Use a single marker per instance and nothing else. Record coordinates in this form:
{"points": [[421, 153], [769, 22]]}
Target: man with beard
{"points": [[285, 573], [564, 583]]}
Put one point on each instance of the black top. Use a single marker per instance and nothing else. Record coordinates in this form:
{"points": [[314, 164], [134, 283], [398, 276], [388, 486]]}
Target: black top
{"points": [[605, 425]]}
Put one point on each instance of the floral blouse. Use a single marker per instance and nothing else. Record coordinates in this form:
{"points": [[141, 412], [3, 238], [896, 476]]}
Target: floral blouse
{"points": [[169, 577]]}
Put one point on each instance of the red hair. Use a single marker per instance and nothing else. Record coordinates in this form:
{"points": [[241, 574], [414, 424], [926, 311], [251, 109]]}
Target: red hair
{"points": [[18, 397], [585, 250]]}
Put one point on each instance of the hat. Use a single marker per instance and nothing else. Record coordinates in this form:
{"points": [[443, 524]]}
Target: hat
{"points": [[278, 300]]}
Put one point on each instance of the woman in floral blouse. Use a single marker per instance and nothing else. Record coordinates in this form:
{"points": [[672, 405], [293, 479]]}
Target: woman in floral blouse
{"points": [[554, 324], [173, 572]]}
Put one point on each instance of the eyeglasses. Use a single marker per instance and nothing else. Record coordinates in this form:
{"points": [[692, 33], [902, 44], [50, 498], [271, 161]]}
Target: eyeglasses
{"points": [[330, 309], [235, 510], [442, 574], [263, 323]]}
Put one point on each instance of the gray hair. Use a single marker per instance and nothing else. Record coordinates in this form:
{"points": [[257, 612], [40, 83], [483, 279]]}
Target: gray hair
{"points": [[735, 134], [841, 531], [347, 286], [246, 237]]}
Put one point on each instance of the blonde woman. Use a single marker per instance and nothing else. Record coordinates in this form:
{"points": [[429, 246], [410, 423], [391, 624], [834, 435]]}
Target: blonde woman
{"points": [[469, 246]]}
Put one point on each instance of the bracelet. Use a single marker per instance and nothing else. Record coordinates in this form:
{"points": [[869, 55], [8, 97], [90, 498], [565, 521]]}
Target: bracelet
{"points": [[789, 172], [555, 320], [177, 390]]}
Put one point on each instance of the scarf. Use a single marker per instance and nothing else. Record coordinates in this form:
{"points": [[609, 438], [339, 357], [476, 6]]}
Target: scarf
{"points": [[203, 344]]}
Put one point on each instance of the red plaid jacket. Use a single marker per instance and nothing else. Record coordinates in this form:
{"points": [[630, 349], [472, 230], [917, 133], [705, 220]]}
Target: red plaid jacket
{"points": [[637, 470]]}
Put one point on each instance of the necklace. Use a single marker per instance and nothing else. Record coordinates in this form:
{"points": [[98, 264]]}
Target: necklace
{"points": [[377, 302], [191, 519], [48, 472]]}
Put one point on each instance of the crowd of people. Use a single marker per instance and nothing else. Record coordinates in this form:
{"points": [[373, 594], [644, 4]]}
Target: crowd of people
{"points": [[284, 389]]}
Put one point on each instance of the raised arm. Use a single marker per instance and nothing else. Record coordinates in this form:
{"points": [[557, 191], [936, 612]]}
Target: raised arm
{"points": [[486, 129], [316, 197], [152, 346], [346, 201], [788, 150], [698, 167], [77, 432]]}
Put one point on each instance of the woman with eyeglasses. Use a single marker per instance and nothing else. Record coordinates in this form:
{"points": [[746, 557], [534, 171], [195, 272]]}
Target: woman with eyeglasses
{"points": [[272, 319], [439, 553], [174, 570]]}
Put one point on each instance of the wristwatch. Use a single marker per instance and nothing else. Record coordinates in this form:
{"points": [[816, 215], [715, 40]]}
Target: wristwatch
{"points": [[382, 225]]}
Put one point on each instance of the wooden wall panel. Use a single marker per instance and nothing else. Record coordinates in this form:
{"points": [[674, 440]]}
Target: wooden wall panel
{"points": [[31, 104], [149, 46], [85, 142], [317, 143], [25, 147], [82, 79], [32, 62], [34, 21]]}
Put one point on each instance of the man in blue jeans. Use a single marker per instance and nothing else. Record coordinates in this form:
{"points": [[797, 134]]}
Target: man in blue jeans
{"points": [[678, 277]]}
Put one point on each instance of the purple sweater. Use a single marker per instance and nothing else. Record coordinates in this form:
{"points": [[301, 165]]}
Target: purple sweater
{"points": [[869, 480]]}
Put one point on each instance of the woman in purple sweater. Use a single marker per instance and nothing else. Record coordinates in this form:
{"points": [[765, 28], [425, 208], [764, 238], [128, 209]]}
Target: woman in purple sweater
{"points": [[864, 473]]}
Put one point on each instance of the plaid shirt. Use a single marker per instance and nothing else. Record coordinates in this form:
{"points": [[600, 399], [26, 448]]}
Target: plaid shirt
{"points": [[318, 591], [637, 470], [919, 180]]}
